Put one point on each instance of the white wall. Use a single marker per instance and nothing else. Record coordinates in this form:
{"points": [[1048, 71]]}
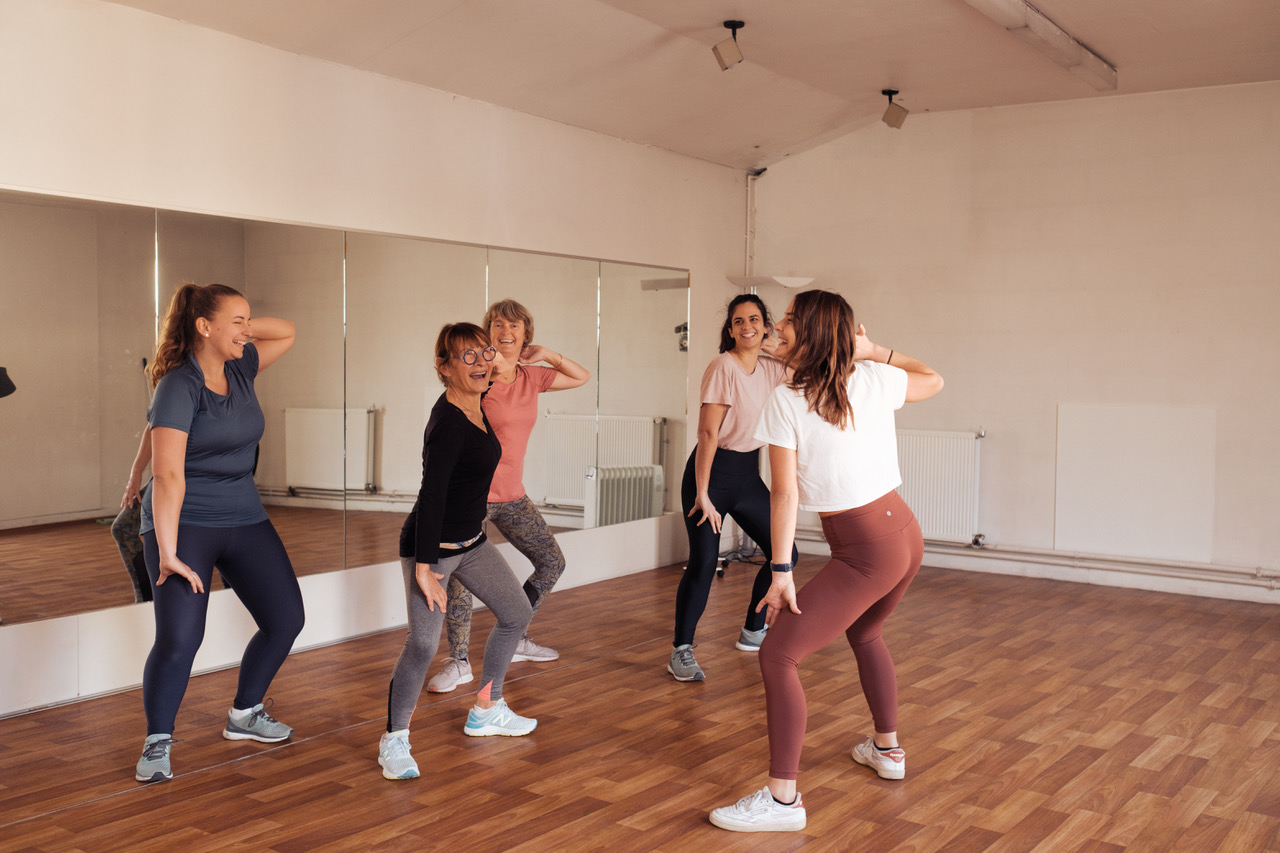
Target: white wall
{"points": [[1115, 253], [104, 102]]}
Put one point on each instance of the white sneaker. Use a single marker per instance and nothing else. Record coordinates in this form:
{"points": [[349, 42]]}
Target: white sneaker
{"points": [[498, 720], [394, 757], [760, 812], [527, 649], [455, 672], [888, 765]]}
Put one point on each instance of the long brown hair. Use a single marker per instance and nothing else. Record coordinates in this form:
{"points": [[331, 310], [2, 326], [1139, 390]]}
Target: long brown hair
{"points": [[453, 339], [178, 331], [822, 358]]}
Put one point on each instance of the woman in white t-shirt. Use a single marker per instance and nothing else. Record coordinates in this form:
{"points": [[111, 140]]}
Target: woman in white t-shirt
{"points": [[722, 476], [833, 450]]}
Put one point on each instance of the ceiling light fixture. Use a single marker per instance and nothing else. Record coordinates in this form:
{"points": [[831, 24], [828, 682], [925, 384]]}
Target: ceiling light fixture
{"points": [[896, 114], [1029, 24], [727, 53]]}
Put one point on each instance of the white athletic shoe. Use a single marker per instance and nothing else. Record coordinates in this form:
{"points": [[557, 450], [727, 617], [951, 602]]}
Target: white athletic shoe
{"points": [[455, 672], [760, 812], [498, 720], [394, 757], [888, 765], [527, 649]]}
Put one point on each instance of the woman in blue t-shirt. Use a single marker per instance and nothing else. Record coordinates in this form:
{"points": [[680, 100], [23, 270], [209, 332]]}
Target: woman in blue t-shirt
{"points": [[203, 508]]}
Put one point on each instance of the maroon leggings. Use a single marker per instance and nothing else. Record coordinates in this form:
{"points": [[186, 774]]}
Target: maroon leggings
{"points": [[876, 550]]}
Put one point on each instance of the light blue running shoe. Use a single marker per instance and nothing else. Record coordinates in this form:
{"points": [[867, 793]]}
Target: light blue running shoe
{"points": [[153, 766], [394, 757], [259, 726], [498, 720]]}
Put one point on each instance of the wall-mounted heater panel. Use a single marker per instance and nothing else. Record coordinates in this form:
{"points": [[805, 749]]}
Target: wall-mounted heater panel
{"points": [[620, 493], [624, 440], [940, 481], [315, 449]]}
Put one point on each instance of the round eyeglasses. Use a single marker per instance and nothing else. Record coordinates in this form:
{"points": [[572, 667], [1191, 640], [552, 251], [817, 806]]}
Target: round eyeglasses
{"points": [[471, 356]]}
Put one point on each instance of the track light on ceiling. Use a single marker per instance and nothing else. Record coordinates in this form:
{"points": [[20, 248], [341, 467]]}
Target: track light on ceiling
{"points": [[727, 53], [896, 114], [1029, 24]]}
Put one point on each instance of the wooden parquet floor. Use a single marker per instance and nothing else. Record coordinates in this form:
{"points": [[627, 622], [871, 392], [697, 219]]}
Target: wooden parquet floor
{"points": [[1037, 715]]}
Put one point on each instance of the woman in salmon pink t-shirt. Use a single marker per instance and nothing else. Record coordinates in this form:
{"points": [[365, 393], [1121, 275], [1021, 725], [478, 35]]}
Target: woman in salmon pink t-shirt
{"points": [[511, 405]]}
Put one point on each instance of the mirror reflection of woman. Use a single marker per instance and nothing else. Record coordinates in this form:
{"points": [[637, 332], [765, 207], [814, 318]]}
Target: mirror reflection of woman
{"points": [[511, 405], [833, 450], [203, 507], [722, 476], [443, 537]]}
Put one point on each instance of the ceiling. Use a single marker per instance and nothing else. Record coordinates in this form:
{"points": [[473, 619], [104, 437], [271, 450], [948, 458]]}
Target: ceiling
{"points": [[643, 70]]}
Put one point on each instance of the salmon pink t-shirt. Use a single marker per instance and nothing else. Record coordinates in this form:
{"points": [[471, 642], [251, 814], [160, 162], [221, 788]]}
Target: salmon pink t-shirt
{"points": [[512, 411]]}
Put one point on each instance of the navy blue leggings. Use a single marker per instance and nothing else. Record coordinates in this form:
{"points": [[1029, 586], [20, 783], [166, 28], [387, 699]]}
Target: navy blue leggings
{"points": [[253, 559], [736, 490]]}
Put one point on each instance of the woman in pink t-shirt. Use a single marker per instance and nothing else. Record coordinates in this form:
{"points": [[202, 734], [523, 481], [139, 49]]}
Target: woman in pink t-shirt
{"points": [[722, 476], [511, 406]]}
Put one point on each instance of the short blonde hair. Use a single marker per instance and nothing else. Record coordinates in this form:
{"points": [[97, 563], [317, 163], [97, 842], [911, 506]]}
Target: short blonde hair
{"points": [[509, 309]]}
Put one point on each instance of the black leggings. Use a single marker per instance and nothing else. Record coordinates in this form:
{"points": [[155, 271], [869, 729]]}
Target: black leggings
{"points": [[253, 559], [736, 490]]}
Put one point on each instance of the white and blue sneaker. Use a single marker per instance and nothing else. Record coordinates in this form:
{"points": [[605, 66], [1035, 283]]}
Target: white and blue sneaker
{"points": [[498, 720], [153, 766], [394, 757]]}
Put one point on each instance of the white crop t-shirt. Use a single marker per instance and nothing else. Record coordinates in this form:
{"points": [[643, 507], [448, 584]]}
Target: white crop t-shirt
{"points": [[841, 469]]}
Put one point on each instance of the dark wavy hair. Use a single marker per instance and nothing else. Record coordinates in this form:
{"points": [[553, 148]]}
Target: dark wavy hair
{"points": [[726, 340], [178, 331], [822, 357], [454, 339]]}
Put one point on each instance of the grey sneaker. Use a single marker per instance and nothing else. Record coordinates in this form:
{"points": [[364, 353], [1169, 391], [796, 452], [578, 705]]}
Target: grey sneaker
{"points": [[527, 649], [682, 666], [153, 766], [498, 720], [749, 641], [455, 672], [394, 757], [760, 812], [888, 764], [259, 726]]}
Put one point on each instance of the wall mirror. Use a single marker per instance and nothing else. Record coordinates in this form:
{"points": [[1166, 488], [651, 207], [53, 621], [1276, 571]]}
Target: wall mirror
{"points": [[340, 462]]}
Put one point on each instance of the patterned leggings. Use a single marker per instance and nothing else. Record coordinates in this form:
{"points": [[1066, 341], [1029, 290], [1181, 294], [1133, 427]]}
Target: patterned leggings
{"points": [[523, 526]]}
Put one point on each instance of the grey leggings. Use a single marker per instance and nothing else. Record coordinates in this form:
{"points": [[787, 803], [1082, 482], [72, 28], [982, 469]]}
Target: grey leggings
{"points": [[482, 571], [525, 528]]}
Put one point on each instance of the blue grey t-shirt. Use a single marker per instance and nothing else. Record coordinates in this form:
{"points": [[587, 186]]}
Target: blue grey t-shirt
{"points": [[222, 438]]}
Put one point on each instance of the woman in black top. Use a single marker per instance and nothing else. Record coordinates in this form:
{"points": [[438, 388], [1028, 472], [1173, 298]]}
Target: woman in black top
{"points": [[443, 537]]}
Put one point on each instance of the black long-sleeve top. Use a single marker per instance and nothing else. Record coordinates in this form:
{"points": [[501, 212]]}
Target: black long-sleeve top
{"points": [[458, 461]]}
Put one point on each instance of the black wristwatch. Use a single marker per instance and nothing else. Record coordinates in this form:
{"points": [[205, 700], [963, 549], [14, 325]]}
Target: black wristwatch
{"points": [[781, 567]]}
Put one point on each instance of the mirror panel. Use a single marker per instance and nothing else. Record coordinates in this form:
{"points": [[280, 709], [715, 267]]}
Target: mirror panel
{"points": [[560, 293], [400, 291], [293, 272], [644, 323], [77, 290]]}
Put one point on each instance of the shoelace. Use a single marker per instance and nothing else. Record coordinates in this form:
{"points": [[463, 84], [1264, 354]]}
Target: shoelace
{"points": [[261, 715], [685, 657], [155, 749]]}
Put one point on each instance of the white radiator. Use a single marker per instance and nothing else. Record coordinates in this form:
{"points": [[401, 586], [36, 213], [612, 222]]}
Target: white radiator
{"points": [[316, 445], [620, 493], [572, 449], [940, 481]]}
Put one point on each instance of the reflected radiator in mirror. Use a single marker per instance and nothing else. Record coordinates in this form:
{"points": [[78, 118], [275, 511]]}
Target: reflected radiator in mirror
{"points": [[315, 449], [619, 493], [572, 449]]}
